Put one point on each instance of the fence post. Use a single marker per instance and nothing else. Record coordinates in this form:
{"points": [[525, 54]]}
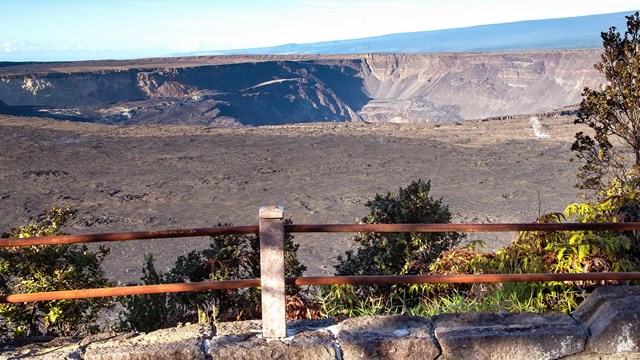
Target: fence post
{"points": [[272, 271]]}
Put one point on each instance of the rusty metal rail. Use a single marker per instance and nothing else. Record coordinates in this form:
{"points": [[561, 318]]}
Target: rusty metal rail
{"points": [[459, 279], [129, 290], [315, 228], [128, 236], [317, 280], [387, 228]]}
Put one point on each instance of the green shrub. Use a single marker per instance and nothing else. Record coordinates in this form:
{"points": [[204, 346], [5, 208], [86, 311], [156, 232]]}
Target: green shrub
{"points": [[150, 312], [33, 269], [391, 253], [551, 252], [229, 257], [400, 253], [530, 252]]}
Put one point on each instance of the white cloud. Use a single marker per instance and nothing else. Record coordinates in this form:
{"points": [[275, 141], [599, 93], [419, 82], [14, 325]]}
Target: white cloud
{"points": [[76, 47], [11, 46]]}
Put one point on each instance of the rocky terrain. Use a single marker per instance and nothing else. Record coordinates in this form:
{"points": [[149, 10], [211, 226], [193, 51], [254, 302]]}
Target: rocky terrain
{"points": [[284, 89], [147, 177]]}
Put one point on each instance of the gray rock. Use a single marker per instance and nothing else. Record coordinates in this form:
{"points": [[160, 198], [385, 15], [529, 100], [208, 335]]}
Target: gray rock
{"points": [[175, 343], [312, 345], [601, 295], [311, 340], [243, 340], [592, 356], [250, 346], [299, 326], [378, 338], [239, 327], [49, 348], [509, 336], [49, 353], [615, 327]]}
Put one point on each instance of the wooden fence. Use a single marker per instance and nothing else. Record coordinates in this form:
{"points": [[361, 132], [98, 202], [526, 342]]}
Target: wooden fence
{"points": [[272, 230]]}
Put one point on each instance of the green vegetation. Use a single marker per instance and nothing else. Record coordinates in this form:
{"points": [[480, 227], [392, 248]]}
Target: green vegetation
{"points": [[552, 252], [237, 257], [47, 268], [400, 253], [613, 113], [229, 257], [146, 312], [531, 252], [391, 253]]}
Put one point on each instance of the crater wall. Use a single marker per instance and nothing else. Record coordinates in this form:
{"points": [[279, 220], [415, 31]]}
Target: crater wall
{"points": [[403, 88]]}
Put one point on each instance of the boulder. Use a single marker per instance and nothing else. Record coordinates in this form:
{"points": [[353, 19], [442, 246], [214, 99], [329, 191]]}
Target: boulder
{"points": [[601, 295], [243, 340], [387, 337], [509, 336], [184, 342], [615, 327]]}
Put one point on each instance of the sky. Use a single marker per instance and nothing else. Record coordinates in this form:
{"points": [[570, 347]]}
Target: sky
{"points": [[49, 30]]}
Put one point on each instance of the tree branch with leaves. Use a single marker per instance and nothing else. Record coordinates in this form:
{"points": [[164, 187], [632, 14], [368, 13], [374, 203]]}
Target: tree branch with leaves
{"points": [[613, 113]]}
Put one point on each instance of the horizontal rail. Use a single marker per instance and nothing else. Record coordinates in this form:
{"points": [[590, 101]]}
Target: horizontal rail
{"points": [[317, 228], [127, 236], [316, 280], [386, 228], [459, 279], [129, 290]]}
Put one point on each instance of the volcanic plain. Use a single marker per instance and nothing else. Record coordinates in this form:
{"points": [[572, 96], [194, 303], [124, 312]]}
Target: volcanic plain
{"points": [[153, 177]]}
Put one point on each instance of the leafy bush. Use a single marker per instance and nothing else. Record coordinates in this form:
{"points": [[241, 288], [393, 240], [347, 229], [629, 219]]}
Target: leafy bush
{"points": [[400, 253], [229, 257], [390, 253], [147, 312], [47, 268], [531, 252], [552, 252]]}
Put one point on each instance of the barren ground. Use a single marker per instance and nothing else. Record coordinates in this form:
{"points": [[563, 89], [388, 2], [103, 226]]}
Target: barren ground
{"points": [[164, 177]]}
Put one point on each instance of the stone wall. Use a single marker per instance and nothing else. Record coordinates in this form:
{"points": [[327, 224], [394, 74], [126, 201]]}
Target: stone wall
{"points": [[605, 326]]}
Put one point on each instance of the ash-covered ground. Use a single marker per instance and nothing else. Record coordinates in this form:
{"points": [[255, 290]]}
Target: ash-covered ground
{"points": [[176, 176]]}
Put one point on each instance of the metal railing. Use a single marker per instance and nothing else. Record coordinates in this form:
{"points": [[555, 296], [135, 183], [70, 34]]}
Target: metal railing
{"points": [[272, 230]]}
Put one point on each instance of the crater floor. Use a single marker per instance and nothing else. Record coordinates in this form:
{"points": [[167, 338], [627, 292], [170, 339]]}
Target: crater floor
{"points": [[177, 176]]}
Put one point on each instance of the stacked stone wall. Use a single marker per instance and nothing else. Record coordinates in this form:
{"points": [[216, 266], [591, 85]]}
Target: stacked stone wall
{"points": [[605, 326]]}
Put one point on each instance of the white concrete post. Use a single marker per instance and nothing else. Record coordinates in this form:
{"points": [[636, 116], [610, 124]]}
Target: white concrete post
{"points": [[272, 271]]}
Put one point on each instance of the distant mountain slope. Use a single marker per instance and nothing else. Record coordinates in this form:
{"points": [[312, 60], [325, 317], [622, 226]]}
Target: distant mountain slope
{"points": [[563, 33]]}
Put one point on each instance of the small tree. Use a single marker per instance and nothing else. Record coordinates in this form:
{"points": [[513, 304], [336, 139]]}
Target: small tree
{"points": [[228, 257], [391, 253], [612, 112], [150, 312], [400, 253]]}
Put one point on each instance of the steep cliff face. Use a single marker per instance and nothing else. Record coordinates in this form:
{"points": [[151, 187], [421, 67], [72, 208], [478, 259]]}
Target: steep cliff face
{"points": [[270, 92], [63, 90], [435, 87], [374, 87]]}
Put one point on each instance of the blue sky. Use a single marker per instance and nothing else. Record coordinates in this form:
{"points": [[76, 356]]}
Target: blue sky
{"points": [[98, 29]]}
